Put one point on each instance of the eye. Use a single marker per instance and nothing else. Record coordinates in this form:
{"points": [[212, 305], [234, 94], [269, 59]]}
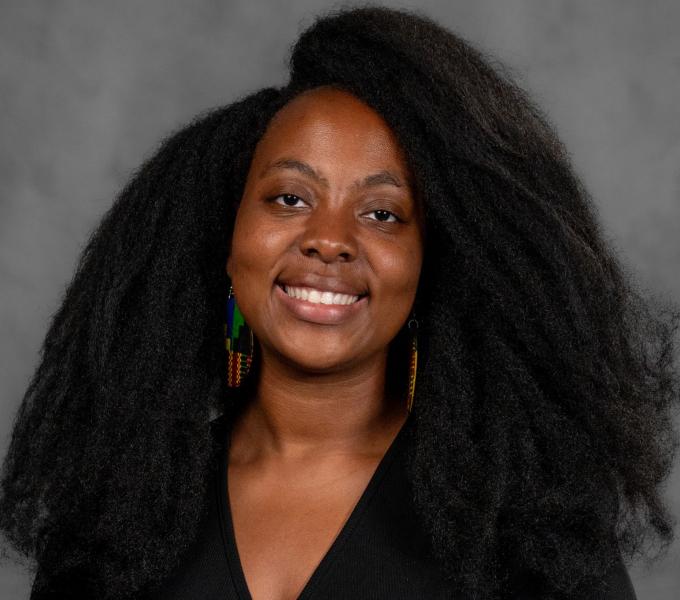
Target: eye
{"points": [[287, 199], [384, 215], [290, 200]]}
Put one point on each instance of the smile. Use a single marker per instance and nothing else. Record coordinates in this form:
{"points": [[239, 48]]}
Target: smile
{"points": [[319, 296], [320, 307]]}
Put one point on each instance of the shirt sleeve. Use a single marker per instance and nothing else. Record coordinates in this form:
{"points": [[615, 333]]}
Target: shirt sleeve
{"points": [[616, 585]]}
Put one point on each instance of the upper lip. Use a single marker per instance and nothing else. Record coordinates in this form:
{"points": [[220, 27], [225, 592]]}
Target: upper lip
{"points": [[326, 284]]}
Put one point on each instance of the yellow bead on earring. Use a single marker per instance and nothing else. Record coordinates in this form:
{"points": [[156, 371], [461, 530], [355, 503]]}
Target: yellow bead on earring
{"points": [[413, 361]]}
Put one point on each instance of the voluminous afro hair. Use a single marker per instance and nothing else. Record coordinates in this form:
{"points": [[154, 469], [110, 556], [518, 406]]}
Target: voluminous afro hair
{"points": [[542, 419]]}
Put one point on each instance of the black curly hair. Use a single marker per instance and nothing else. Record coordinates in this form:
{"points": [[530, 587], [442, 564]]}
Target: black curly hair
{"points": [[542, 419]]}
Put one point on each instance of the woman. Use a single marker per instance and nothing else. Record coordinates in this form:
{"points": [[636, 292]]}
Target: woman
{"points": [[452, 388]]}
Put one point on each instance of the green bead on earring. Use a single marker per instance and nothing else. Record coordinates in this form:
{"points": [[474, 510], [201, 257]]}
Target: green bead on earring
{"points": [[239, 342]]}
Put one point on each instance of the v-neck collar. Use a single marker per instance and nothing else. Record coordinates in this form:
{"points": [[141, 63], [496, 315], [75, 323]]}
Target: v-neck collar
{"points": [[323, 567]]}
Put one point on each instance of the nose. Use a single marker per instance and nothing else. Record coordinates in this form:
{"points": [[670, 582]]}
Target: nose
{"points": [[329, 236]]}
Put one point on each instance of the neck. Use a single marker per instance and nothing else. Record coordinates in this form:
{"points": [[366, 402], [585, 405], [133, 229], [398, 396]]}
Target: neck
{"points": [[294, 414]]}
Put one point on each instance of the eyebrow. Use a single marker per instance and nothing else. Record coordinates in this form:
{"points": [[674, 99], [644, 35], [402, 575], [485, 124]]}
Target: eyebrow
{"points": [[380, 178]]}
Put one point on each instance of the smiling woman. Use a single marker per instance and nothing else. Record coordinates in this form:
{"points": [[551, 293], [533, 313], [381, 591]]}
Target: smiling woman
{"points": [[352, 229], [439, 381], [325, 285]]}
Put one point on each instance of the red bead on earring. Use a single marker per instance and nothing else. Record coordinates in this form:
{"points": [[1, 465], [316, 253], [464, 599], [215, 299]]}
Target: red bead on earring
{"points": [[239, 342]]}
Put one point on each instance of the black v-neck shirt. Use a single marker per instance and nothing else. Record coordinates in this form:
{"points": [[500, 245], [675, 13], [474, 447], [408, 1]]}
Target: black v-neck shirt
{"points": [[380, 553], [364, 555]]}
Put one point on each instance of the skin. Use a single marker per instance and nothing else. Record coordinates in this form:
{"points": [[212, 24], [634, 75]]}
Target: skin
{"points": [[308, 442]]}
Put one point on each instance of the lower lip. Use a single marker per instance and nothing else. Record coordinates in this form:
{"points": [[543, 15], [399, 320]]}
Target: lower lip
{"points": [[324, 314]]}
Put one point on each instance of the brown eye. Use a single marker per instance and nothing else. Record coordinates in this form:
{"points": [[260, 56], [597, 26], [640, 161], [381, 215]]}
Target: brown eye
{"points": [[384, 215], [287, 200]]}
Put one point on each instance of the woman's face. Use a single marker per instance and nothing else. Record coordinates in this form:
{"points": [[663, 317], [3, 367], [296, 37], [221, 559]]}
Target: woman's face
{"points": [[327, 206]]}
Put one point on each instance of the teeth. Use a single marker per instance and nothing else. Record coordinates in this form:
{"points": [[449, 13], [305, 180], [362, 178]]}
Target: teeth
{"points": [[319, 296]]}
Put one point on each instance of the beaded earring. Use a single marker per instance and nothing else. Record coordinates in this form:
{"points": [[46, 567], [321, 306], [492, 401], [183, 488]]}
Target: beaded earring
{"points": [[413, 360], [238, 338]]}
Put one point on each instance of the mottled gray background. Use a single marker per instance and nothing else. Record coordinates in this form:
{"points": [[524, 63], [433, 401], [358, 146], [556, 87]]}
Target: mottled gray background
{"points": [[87, 90]]}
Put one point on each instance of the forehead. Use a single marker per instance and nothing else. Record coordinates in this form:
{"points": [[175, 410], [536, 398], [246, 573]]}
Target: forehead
{"points": [[329, 103], [331, 123]]}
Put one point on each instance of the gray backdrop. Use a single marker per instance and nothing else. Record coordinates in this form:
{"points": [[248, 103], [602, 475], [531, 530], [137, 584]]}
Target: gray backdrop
{"points": [[88, 89]]}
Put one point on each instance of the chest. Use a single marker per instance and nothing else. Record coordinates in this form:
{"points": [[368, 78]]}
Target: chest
{"points": [[285, 526]]}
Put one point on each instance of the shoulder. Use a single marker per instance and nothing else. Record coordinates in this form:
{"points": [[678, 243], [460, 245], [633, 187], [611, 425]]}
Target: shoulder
{"points": [[615, 585], [75, 585], [79, 581]]}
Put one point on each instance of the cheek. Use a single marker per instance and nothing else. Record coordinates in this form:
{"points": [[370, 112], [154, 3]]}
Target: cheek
{"points": [[398, 272], [253, 247]]}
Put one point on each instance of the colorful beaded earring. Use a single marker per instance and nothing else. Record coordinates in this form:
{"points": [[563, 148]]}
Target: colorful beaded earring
{"points": [[238, 338], [413, 360]]}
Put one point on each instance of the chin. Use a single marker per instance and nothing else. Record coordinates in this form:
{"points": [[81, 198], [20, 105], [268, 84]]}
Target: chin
{"points": [[315, 362], [318, 365]]}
